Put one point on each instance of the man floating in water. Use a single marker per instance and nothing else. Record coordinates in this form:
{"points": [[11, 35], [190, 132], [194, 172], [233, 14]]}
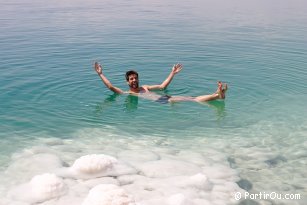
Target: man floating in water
{"points": [[144, 91]]}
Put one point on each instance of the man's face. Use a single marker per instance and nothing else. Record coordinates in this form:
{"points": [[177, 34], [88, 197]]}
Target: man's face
{"points": [[133, 81]]}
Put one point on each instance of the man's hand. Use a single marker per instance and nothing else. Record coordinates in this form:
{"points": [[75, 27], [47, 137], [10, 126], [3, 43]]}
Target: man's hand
{"points": [[177, 68], [98, 68]]}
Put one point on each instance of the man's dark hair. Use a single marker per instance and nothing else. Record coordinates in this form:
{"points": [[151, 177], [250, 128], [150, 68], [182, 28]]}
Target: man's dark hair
{"points": [[131, 72]]}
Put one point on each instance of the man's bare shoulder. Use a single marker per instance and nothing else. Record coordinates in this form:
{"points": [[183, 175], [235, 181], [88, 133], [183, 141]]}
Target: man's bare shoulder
{"points": [[144, 88]]}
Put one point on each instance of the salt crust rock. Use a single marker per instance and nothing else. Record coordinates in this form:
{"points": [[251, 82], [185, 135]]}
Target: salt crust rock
{"points": [[121, 169], [108, 194], [104, 180], [199, 181], [47, 186], [168, 168], [179, 199], [41, 188], [218, 171], [138, 156], [96, 165], [129, 179], [93, 164], [193, 157], [149, 190], [176, 199]]}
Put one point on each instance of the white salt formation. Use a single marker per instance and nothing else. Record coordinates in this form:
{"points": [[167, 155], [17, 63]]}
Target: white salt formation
{"points": [[93, 164], [179, 199], [185, 173], [47, 186], [108, 194], [167, 168], [137, 157], [41, 188], [199, 181], [96, 165]]}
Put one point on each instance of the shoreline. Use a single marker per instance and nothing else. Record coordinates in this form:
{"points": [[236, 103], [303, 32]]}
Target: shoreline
{"points": [[250, 165]]}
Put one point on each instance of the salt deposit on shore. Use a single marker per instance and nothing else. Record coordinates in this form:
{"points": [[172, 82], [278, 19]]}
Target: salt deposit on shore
{"points": [[96, 167]]}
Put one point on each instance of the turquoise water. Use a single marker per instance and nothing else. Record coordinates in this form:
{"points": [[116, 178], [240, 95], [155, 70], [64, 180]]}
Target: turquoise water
{"points": [[48, 88]]}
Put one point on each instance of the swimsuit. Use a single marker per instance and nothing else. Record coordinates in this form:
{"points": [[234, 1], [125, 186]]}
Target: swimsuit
{"points": [[163, 99]]}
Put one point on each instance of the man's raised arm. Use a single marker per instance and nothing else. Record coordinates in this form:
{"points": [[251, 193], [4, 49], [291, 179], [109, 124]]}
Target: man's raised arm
{"points": [[108, 84], [176, 69]]}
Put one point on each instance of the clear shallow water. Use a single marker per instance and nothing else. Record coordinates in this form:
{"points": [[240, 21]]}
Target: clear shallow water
{"points": [[48, 88]]}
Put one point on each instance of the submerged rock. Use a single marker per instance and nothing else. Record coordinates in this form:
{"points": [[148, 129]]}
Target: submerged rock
{"points": [[232, 162], [245, 184], [275, 161]]}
